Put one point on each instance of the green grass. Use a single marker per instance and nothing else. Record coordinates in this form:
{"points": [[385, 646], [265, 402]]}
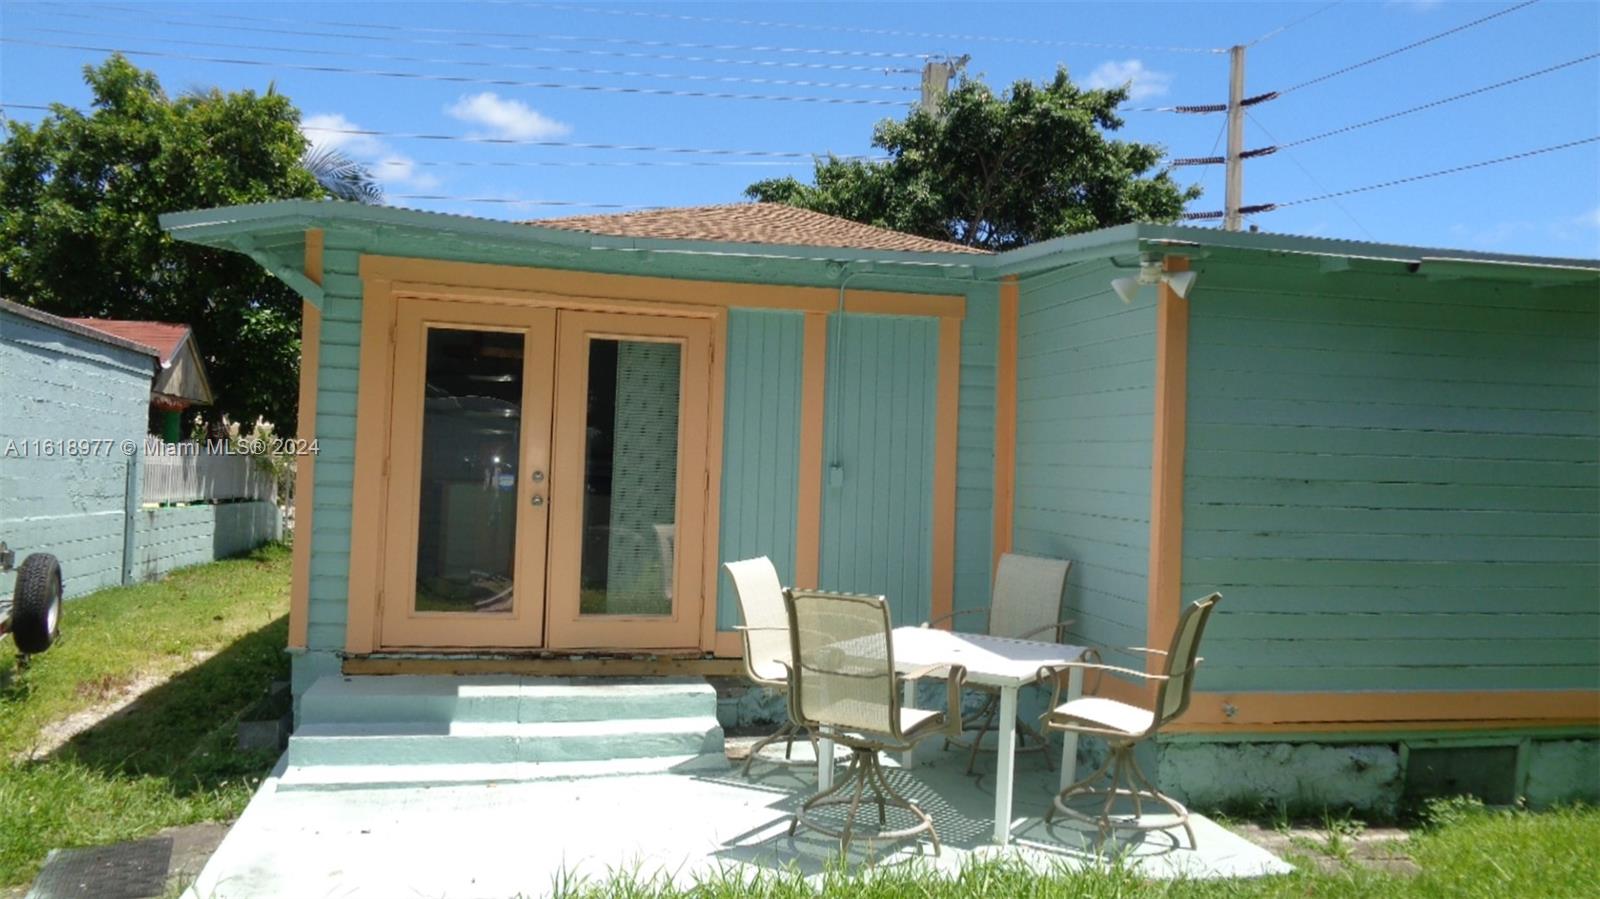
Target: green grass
{"points": [[1463, 850], [213, 638]]}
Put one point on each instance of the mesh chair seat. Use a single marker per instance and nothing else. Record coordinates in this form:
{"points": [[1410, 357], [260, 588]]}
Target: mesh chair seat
{"points": [[766, 639], [1097, 711], [914, 724]]}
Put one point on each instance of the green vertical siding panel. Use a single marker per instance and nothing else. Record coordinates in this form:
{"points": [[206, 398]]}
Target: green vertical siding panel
{"points": [[1395, 482], [1085, 416], [877, 494], [335, 431], [760, 445], [975, 449]]}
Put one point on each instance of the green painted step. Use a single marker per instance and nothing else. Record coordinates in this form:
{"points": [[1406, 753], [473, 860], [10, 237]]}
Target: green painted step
{"points": [[473, 742], [441, 700]]}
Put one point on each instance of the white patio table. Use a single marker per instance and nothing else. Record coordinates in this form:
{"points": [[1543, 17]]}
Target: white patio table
{"points": [[1000, 662]]}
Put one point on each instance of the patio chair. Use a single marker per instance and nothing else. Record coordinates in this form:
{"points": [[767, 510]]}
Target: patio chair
{"points": [[843, 684], [766, 641], [1025, 604], [1124, 726]]}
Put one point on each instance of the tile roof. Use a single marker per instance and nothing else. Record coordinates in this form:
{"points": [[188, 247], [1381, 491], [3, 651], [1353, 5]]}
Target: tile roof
{"points": [[159, 336], [757, 223]]}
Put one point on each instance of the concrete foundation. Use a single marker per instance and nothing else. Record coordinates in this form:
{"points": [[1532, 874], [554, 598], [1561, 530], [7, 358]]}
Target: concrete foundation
{"points": [[1563, 771], [1304, 776]]}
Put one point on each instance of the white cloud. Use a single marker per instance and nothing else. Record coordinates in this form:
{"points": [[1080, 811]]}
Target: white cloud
{"points": [[1144, 83], [392, 169], [1590, 218], [505, 117]]}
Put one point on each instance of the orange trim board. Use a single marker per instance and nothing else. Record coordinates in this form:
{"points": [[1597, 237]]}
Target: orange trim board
{"points": [[1166, 470], [527, 280], [813, 408], [1311, 712], [1005, 420], [946, 424]]}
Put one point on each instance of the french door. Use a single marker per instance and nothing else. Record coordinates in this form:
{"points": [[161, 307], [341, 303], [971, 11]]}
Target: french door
{"points": [[547, 478]]}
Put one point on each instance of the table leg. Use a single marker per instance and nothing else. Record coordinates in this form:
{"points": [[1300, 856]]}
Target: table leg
{"points": [[1007, 732], [908, 759], [824, 762], [1069, 739]]}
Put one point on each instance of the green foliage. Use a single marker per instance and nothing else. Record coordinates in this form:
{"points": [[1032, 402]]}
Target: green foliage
{"points": [[79, 200], [997, 171], [202, 647]]}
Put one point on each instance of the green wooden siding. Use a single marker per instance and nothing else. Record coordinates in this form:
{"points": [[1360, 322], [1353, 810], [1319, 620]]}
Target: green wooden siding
{"points": [[1085, 407], [760, 445], [975, 449], [877, 484], [1393, 481]]}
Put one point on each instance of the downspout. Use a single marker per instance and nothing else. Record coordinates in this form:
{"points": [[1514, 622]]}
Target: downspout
{"points": [[835, 359]]}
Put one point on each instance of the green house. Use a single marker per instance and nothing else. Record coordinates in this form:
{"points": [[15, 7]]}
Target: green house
{"points": [[537, 442]]}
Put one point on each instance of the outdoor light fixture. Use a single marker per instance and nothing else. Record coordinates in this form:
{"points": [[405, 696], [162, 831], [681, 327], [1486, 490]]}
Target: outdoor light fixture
{"points": [[1150, 272]]}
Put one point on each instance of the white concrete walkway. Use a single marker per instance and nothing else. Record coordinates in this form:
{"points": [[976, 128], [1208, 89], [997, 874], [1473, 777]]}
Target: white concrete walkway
{"points": [[525, 838]]}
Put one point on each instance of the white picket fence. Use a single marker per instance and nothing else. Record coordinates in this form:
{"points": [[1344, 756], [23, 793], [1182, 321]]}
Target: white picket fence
{"points": [[187, 473]]}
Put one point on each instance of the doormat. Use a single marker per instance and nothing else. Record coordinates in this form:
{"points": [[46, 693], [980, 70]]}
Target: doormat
{"points": [[134, 870]]}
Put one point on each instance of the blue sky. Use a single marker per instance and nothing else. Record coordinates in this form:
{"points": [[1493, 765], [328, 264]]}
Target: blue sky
{"points": [[1547, 205]]}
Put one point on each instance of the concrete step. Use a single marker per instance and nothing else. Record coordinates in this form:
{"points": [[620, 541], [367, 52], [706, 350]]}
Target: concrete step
{"points": [[495, 742], [374, 777], [442, 700]]}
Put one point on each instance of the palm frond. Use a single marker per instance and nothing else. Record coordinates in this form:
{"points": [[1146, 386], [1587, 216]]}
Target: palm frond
{"points": [[342, 177]]}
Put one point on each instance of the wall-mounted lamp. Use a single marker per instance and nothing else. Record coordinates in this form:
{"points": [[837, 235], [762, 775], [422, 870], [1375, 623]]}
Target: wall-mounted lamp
{"points": [[1151, 272]]}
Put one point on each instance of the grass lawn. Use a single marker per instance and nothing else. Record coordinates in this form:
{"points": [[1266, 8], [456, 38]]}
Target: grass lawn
{"points": [[199, 648], [1461, 849]]}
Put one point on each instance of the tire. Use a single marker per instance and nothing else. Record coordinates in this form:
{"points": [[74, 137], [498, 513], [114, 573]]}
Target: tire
{"points": [[36, 604]]}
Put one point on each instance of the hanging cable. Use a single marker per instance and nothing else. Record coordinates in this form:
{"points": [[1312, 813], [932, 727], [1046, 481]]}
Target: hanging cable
{"points": [[1311, 176], [876, 32], [1411, 46], [511, 201], [1282, 28], [1440, 102], [1268, 207], [534, 142], [538, 67], [518, 48], [575, 38], [467, 79]]}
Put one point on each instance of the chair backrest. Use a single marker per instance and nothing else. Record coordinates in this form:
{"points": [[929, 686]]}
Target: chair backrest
{"points": [[766, 644], [1028, 592], [844, 661], [1172, 696]]}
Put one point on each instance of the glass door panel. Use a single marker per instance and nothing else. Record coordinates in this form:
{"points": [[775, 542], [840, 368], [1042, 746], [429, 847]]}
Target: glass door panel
{"points": [[469, 449], [630, 466]]}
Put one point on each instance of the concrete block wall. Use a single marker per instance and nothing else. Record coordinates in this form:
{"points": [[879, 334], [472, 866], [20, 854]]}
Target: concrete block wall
{"points": [[57, 384], [172, 537]]}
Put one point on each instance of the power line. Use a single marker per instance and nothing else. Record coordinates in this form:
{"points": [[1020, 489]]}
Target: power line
{"points": [[877, 32], [581, 70], [534, 142], [519, 48], [1282, 28], [575, 38], [467, 79], [1450, 171], [1442, 101], [1268, 207], [1311, 176], [512, 201], [1411, 46]]}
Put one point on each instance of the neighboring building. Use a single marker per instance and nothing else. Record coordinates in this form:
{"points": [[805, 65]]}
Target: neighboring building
{"points": [[75, 403], [180, 382], [544, 438]]}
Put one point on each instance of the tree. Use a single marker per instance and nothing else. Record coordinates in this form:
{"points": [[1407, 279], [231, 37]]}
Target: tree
{"points": [[996, 171], [79, 200]]}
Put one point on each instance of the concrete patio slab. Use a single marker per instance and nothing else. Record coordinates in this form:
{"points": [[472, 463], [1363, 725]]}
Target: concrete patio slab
{"points": [[506, 839]]}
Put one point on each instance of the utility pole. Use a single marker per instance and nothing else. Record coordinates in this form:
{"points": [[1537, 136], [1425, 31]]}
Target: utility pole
{"points": [[1235, 182], [936, 75]]}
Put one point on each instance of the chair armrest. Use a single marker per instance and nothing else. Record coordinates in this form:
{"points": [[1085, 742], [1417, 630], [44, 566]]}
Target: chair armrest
{"points": [[951, 615], [955, 682], [1059, 627], [748, 627], [1053, 674]]}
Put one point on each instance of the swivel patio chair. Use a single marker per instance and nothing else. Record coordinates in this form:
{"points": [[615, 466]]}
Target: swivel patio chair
{"points": [[766, 641], [843, 684], [1026, 605], [1124, 726]]}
